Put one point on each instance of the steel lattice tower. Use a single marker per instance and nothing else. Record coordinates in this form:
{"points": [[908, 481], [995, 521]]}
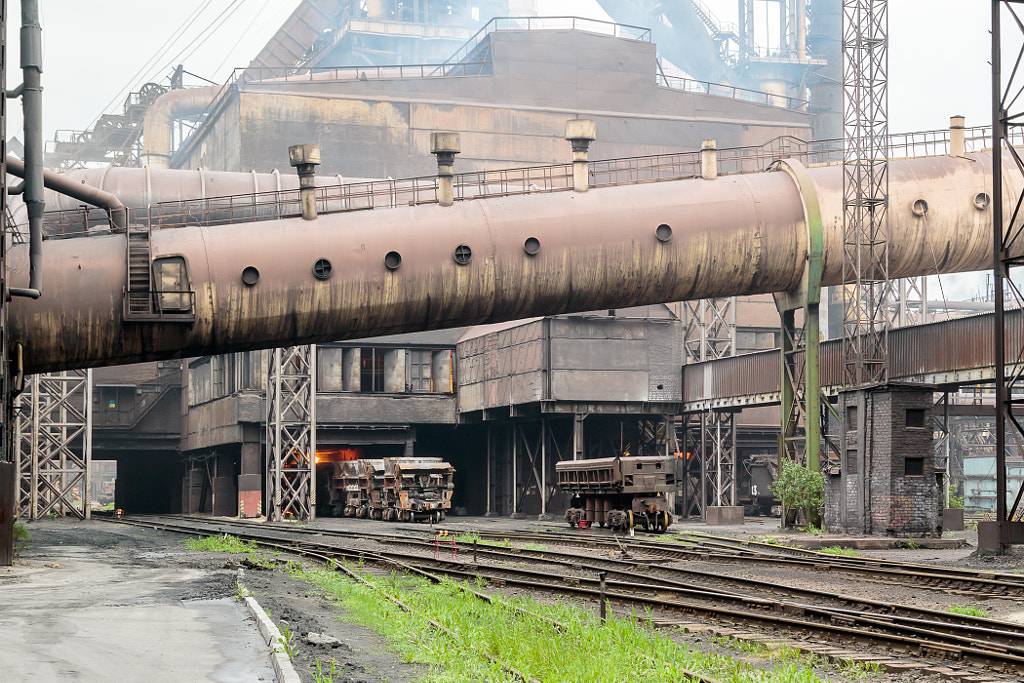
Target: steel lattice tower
{"points": [[865, 192], [291, 433], [709, 333], [54, 413], [1007, 130]]}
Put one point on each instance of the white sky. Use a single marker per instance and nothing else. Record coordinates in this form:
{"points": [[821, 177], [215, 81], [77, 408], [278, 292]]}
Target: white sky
{"points": [[938, 56]]}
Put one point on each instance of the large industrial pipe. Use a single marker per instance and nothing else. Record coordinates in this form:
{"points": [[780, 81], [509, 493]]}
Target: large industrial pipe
{"points": [[160, 118], [32, 104], [142, 187], [427, 267], [84, 193]]}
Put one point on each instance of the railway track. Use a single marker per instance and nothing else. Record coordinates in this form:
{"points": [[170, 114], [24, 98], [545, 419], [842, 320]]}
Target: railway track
{"points": [[634, 580], [720, 549]]}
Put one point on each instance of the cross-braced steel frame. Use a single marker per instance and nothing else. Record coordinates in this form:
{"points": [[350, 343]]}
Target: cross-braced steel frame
{"points": [[709, 333], [53, 436], [291, 433], [865, 192], [1007, 115]]}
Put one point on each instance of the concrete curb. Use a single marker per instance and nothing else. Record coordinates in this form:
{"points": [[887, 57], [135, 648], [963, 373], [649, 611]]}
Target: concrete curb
{"points": [[273, 638]]}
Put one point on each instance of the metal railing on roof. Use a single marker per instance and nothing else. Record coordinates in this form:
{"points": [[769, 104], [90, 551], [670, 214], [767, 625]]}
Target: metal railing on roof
{"points": [[383, 194], [321, 74], [607, 28], [730, 91]]}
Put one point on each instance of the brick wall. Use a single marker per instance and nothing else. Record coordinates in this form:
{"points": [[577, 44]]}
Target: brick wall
{"points": [[887, 485]]}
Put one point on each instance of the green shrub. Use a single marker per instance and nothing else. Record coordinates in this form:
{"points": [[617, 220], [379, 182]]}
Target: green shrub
{"points": [[800, 488]]}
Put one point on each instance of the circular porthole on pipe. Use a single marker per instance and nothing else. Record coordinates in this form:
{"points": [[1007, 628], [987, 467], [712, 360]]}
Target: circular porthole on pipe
{"points": [[250, 276], [919, 208], [462, 254], [322, 269], [663, 233], [531, 246], [392, 260], [981, 201]]}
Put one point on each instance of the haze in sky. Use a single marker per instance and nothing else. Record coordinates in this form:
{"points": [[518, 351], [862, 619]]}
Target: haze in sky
{"points": [[96, 52]]}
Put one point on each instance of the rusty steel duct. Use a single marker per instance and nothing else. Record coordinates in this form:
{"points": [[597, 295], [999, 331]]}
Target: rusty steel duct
{"points": [[427, 267], [62, 186], [159, 122]]}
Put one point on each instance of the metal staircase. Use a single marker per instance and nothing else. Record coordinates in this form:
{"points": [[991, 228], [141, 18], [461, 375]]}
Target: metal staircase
{"points": [[138, 299]]}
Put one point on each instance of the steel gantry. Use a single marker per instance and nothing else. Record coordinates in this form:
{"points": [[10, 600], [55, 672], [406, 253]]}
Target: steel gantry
{"points": [[291, 433], [53, 437], [865, 192], [1007, 125]]}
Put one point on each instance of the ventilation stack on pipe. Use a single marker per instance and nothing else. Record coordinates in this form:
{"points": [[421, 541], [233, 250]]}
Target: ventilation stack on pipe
{"points": [[445, 146], [304, 159], [580, 132], [957, 145], [708, 160]]}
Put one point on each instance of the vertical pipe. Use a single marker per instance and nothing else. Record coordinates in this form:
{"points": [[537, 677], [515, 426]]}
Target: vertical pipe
{"points": [[515, 482], [34, 476], [998, 275], [602, 576], [87, 445], [543, 467], [278, 418], [801, 29], [487, 504], [32, 104]]}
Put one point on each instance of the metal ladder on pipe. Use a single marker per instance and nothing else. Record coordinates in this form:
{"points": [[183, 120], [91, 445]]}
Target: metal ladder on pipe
{"points": [[138, 297]]}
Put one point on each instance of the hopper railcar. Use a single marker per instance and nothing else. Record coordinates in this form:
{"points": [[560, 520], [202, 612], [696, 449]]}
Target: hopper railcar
{"points": [[392, 489], [621, 492]]}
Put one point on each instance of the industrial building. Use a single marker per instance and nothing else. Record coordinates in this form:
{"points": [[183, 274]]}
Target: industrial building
{"points": [[502, 403]]}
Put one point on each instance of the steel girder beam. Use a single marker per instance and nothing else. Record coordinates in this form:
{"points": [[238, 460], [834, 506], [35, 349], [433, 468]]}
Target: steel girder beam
{"points": [[865, 192], [53, 437], [291, 433]]}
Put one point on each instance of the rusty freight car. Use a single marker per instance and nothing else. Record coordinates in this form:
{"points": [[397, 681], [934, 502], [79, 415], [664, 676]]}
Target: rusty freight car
{"points": [[620, 492], [392, 489]]}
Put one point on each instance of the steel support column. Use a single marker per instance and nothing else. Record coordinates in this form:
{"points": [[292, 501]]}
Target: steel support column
{"points": [[865, 192], [53, 435], [291, 433], [801, 345], [1007, 124]]}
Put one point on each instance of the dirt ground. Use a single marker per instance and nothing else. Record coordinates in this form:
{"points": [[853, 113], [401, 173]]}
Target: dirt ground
{"points": [[363, 655]]}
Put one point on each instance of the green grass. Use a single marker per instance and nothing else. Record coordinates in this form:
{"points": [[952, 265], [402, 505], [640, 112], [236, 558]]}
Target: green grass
{"points": [[836, 550], [21, 533], [221, 544], [533, 546], [967, 610], [623, 649], [474, 537]]}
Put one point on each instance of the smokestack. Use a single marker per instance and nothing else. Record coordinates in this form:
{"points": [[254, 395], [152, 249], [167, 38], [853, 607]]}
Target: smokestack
{"points": [[708, 160], [580, 132], [305, 159], [445, 146]]}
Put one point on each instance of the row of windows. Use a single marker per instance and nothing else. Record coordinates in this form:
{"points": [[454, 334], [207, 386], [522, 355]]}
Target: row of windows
{"points": [[339, 369]]}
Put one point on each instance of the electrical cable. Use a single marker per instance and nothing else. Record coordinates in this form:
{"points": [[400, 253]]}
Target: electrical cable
{"points": [[185, 25], [206, 33], [241, 37]]}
